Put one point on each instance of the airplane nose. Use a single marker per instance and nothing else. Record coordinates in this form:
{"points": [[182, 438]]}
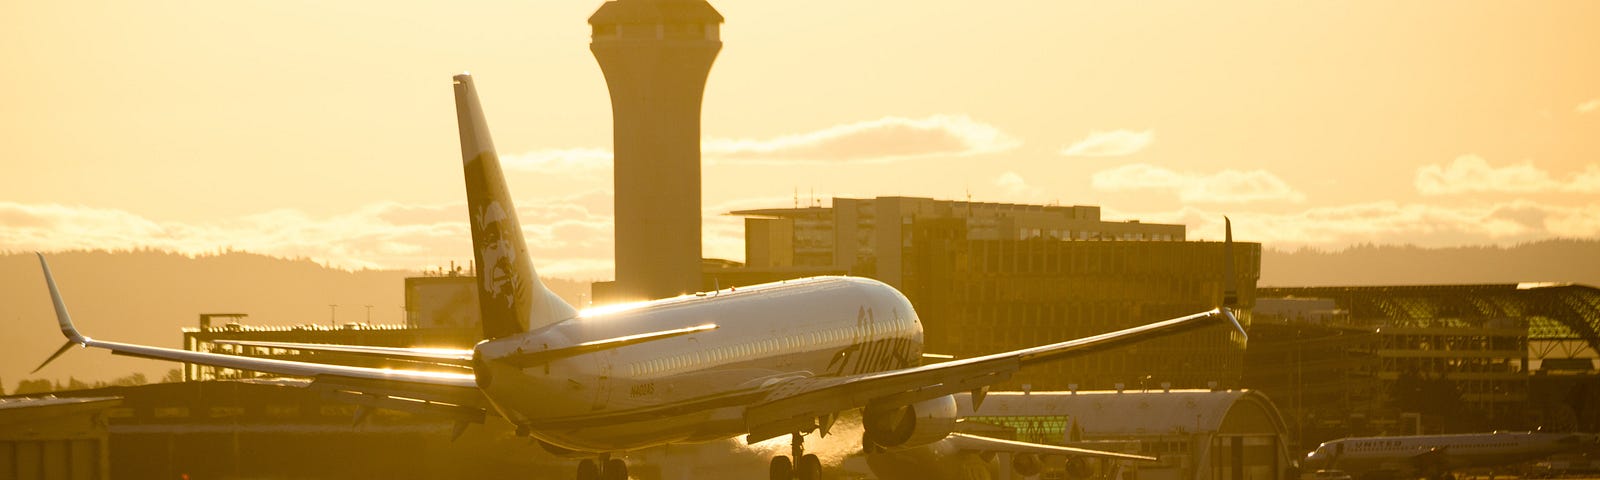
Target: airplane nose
{"points": [[1313, 462]]}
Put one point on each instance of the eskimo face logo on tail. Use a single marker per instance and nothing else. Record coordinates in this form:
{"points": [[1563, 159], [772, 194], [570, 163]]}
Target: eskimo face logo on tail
{"points": [[498, 277]]}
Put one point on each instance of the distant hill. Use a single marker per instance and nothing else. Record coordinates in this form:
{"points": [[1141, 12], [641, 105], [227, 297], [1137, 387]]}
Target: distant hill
{"points": [[1575, 261], [146, 296]]}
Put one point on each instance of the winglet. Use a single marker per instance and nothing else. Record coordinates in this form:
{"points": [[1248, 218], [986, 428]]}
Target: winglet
{"points": [[1230, 282], [62, 317], [1234, 321]]}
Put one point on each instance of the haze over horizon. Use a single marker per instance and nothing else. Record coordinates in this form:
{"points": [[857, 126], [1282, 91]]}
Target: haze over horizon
{"points": [[327, 131]]}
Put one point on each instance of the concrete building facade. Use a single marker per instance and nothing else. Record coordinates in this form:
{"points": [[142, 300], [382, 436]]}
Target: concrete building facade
{"points": [[867, 236], [990, 277], [977, 297]]}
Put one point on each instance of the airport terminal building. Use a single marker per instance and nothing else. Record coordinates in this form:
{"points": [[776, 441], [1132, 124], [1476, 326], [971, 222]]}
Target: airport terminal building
{"points": [[1371, 360]]}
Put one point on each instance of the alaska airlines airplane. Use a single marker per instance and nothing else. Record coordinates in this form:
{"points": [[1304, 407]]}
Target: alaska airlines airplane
{"points": [[1435, 456], [762, 361]]}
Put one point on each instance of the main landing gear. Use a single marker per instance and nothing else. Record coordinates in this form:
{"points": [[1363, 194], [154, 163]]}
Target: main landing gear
{"points": [[606, 469], [808, 468]]}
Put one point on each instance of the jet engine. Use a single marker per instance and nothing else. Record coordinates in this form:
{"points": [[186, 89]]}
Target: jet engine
{"points": [[1079, 468], [1026, 464], [920, 423]]}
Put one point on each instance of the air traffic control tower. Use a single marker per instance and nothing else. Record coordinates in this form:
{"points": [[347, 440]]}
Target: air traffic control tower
{"points": [[656, 55]]}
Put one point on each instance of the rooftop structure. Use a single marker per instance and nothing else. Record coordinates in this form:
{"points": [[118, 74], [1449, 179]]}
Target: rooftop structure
{"points": [[850, 237], [55, 437]]}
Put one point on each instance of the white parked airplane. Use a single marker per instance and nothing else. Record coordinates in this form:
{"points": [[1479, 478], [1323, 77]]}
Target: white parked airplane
{"points": [[1435, 456], [762, 361]]}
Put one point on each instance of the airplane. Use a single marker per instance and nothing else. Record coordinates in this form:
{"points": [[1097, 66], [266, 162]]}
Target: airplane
{"points": [[1436, 456], [762, 361]]}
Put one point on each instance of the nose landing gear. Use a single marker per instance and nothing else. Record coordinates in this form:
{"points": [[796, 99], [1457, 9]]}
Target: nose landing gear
{"points": [[809, 467]]}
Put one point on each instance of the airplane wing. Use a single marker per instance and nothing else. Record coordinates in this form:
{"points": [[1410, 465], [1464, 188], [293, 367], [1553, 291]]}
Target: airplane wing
{"points": [[977, 443], [529, 359], [796, 404], [453, 393]]}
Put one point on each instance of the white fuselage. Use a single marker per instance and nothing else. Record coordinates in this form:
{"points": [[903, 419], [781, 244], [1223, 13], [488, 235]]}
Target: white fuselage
{"points": [[695, 387], [1365, 455]]}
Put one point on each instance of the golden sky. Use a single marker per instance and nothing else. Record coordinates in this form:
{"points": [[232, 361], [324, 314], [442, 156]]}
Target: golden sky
{"points": [[327, 130]]}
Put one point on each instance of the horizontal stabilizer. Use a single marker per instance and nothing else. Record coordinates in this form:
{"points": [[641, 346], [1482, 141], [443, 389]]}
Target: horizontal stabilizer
{"points": [[451, 356], [529, 359]]}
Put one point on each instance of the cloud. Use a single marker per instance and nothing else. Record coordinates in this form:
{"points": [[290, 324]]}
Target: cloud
{"points": [[1114, 143], [883, 140], [565, 238], [1227, 186], [1390, 223], [566, 160], [1015, 187], [1589, 106], [568, 238], [1011, 182], [1471, 174], [874, 141]]}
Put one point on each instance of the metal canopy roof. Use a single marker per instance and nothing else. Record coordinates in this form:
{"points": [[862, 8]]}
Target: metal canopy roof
{"points": [[1550, 311], [1133, 413]]}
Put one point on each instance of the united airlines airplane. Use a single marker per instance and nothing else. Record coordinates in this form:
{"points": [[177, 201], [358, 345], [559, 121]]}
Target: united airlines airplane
{"points": [[763, 361], [1435, 456]]}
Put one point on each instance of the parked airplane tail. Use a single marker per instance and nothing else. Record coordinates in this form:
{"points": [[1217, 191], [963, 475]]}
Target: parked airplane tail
{"points": [[511, 297]]}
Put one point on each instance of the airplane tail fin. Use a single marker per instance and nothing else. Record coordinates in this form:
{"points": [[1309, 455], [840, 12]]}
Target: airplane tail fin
{"points": [[511, 297]]}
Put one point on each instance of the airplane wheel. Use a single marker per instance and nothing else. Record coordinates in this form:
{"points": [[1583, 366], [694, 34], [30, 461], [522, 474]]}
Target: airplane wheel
{"points": [[616, 469], [780, 469], [587, 470], [810, 468]]}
